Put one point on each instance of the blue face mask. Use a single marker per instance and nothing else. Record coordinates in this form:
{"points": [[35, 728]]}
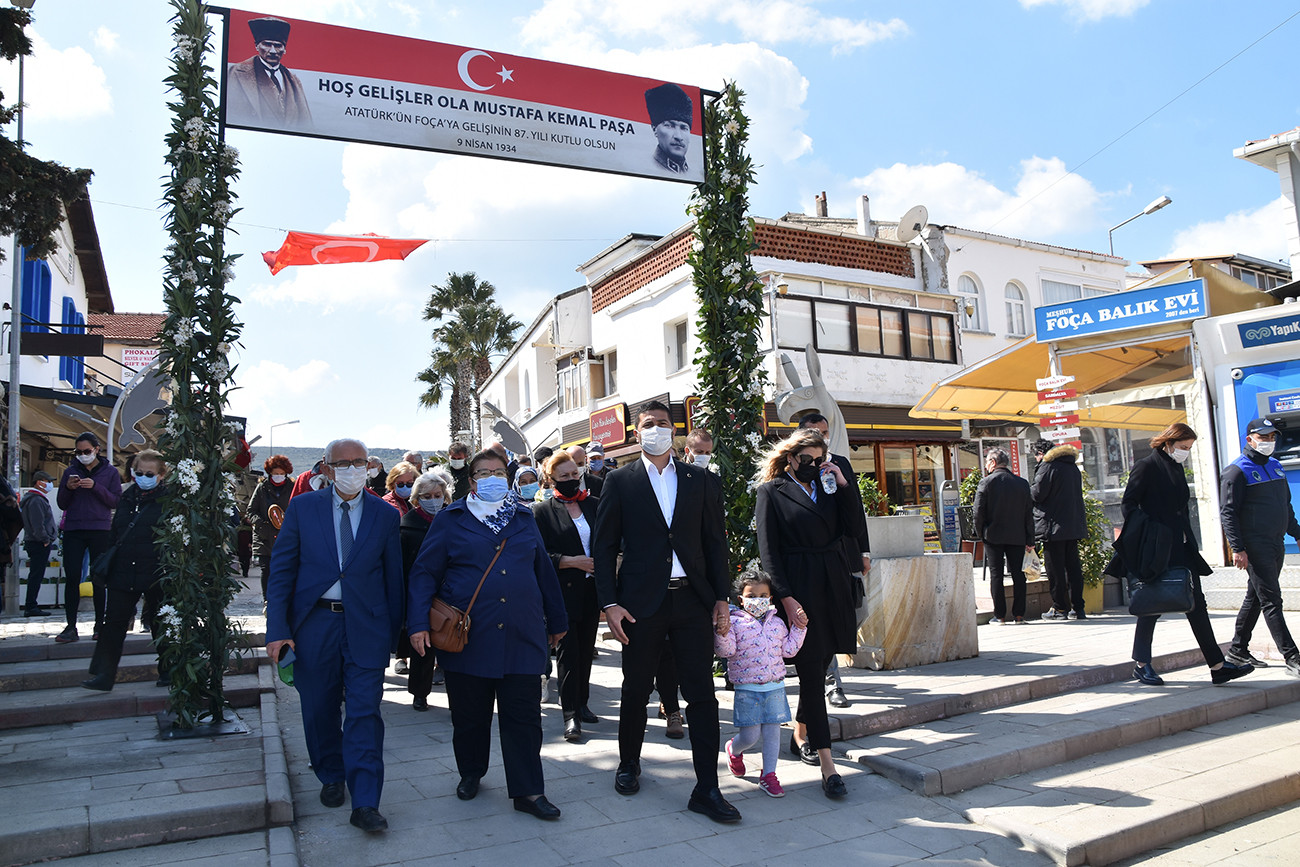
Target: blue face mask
{"points": [[529, 490], [596, 465], [493, 489], [403, 491], [145, 483]]}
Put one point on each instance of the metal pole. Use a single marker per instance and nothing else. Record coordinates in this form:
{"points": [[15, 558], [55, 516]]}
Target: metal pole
{"points": [[15, 383]]}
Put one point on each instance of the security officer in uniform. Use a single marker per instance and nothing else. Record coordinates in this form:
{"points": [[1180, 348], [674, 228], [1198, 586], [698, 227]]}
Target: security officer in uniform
{"points": [[1256, 513]]}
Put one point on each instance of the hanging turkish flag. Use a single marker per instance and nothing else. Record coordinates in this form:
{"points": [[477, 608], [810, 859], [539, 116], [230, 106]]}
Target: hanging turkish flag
{"points": [[304, 248]]}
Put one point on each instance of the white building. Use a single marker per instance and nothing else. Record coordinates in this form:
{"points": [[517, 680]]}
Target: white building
{"points": [[1281, 153]]}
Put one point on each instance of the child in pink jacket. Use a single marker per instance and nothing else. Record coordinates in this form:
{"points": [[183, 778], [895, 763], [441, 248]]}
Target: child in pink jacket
{"points": [[756, 648]]}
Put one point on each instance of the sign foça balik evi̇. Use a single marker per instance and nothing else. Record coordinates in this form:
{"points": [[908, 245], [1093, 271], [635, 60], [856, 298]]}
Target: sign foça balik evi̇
{"points": [[1101, 314], [297, 77]]}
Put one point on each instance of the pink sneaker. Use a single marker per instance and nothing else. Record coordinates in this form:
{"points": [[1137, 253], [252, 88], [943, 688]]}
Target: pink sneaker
{"points": [[737, 763], [771, 785]]}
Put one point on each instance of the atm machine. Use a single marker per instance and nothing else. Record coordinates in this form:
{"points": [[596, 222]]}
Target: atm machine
{"points": [[1252, 367]]}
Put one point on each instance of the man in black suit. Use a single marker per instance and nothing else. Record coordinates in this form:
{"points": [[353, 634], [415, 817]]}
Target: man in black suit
{"points": [[666, 517], [1004, 519], [855, 547]]}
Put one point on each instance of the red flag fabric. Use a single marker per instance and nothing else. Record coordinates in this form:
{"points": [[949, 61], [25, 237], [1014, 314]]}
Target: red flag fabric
{"points": [[305, 248]]}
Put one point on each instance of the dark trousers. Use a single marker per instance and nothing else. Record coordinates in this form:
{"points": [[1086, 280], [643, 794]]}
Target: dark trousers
{"points": [[573, 658], [1263, 593], [1198, 617], [38, 557], [1064, 574], [76, 544], [1014, 555], [329, 681], [264, 566], [688, 626], [519, 724], [810, 666], [666, 679], [419, 680], [119, 609]]}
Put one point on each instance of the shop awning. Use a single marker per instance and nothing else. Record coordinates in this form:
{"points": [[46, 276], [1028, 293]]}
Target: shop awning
{"points": [[1125, 380]]}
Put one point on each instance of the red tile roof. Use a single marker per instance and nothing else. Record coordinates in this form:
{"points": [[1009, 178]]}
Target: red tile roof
{"points": [[127, 326]]}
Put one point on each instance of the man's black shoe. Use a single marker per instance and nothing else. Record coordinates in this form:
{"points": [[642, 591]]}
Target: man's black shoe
{"points": [[420, 703], [1147, 675], [837, 698], [712, 804], [332, 794], [369, 819], [625, 778], [834, 787], [467, 788], [572, 730], [1220, 676], [585, 715], [36, 612], [99, 682], [1246, 658], [540, 807]]}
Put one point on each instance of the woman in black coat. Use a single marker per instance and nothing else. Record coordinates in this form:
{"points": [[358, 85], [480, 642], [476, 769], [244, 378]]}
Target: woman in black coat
{"points": [[429, 493], [1157, 489], [566, 522], [800, 528], [135, 570], [273, 490]]}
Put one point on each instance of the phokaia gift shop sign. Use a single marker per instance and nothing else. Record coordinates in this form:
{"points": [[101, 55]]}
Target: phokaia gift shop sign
{"points": [[1139, 308], [286, 75]]}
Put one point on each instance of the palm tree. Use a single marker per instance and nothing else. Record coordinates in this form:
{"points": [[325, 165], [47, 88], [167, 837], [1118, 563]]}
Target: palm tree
{"points": [[473, 328]]}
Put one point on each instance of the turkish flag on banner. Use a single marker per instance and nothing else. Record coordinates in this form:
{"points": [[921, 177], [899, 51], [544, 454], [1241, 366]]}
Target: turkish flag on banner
{"points": [[304, 248]]}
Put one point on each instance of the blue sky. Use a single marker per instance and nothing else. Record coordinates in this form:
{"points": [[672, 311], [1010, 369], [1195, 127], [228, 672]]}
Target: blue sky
{"points": [[976, 110]]}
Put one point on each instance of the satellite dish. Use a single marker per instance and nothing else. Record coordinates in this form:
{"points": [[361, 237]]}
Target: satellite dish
{"points": [[913, 222]]}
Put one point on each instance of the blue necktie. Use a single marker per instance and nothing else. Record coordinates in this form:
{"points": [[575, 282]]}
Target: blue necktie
{"points": [[345, 533]]}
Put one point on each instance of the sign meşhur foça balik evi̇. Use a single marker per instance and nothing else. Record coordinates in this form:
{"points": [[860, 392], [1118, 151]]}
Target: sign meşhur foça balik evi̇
{"points": [[297, 77], [1157, 305]]}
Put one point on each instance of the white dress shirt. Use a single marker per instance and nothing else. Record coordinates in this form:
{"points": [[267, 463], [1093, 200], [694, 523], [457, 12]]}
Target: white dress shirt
{"points": [[665, 488]]}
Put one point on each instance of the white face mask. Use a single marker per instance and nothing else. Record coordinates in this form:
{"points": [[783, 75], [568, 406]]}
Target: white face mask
{"points": [[701, 461], [350, 480], [1180, 455], [1265, 447], [656, 440], [371, 472], [87, 460], [278, 478], [317, 482], [456, 463]]}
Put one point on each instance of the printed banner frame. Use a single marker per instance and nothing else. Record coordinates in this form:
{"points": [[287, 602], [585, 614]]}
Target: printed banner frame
{"points": [[344, 84]]}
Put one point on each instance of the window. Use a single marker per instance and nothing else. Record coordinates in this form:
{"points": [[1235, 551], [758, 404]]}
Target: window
{"points": [[572, 392], [72, 369], [1058, 293], [36, 294], [611, 372], [678, 357], [861, 329], [971, 301], [1015, 311], [528, 393]]}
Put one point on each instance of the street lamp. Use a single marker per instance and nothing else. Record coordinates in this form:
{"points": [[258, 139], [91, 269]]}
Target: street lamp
{"points": [[270, 440], [1149, 209]]}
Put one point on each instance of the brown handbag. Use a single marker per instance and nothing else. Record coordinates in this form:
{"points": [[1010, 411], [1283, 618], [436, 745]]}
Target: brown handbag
{"points": [[448, 625]]}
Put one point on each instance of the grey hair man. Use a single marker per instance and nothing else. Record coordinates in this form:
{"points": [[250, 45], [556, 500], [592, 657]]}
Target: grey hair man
{"points": [[1004, 521]]}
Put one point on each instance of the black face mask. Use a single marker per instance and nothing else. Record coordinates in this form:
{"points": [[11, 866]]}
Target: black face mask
{"points": [[568, 488], [807, 473]]}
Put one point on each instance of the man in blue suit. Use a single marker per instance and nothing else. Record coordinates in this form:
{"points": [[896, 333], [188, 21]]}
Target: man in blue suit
{"points": [[334, 596]]}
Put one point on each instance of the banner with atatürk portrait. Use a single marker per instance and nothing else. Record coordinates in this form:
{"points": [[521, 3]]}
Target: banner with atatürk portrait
{"points": [[286, 75]]}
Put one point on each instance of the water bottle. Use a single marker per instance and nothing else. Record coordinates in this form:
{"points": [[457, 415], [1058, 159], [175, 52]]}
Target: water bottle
{"points": [[829, 485]]}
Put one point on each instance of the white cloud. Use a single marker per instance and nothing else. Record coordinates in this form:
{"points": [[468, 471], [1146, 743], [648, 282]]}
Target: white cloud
{"points": [[1257, 233], [1092, 10], [1045, 201], [105, 40], [266, 386], [588, 22], [58, 84], [378, 287]]}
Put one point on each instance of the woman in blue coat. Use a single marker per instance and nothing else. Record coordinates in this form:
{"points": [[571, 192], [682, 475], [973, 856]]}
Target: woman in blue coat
{"points": [[517, 616]]}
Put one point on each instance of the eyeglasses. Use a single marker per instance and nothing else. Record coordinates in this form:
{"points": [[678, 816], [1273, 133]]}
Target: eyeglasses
{"points": [[89, 451], [487, 474], [805, 460], [359, 463]]}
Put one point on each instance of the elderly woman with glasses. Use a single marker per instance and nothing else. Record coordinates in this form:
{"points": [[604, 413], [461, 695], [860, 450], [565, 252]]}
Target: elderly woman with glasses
{"points": [[429, 493], [490, 541], [800, 528]]}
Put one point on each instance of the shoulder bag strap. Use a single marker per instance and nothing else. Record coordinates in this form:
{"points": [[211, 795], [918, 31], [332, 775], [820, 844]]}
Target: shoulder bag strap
{"points": [[473, 598]]}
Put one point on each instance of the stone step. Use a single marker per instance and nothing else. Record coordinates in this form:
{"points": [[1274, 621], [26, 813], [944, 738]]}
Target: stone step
{"points": [[1118, 804], [136, 667], [37, 649], [1266, 838], [101, 786], [872, 717], [41, 707], [953, 755], [1229, 599]]}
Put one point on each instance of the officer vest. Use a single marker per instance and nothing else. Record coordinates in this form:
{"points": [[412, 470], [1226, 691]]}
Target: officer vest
{"points": [[1255, 474]]}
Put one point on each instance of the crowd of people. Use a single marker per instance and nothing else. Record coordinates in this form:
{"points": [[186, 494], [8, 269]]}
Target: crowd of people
{"points": [[531, 553]]}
